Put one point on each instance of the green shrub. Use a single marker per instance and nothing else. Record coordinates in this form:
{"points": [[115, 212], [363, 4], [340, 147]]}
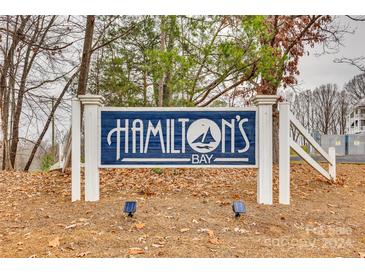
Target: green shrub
{"points": [[157, 170], [47, 161], [293, 153]]}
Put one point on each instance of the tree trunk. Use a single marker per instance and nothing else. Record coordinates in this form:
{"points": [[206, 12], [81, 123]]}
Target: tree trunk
{"points": [[162, 48], [275, 135], [18, 107], [167, 92], [85, 66], [144, 88], [28, 63], [86, 55], [4, 91]]}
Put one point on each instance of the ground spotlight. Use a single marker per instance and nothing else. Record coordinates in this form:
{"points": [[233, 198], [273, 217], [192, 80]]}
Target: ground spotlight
{"points": [[130, 208], [238, 208]]}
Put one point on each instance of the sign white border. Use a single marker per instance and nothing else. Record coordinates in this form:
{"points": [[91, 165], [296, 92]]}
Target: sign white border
{"points": [[181, 109]]}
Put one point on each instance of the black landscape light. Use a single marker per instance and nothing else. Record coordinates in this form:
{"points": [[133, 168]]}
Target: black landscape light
{"points": [[130, 208], [238, 208]]}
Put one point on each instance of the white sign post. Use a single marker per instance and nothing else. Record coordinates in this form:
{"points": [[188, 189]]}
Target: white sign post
{"points": [[91, 103], [75, 148], [284, 151], [264, 104]]}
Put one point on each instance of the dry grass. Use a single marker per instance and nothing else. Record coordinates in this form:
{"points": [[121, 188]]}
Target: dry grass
{"points": [[182, 213]]}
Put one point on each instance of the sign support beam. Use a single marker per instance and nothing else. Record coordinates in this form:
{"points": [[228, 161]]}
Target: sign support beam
{"points": [[264, 104], [76, 142], [91, 104], [284, 151]]}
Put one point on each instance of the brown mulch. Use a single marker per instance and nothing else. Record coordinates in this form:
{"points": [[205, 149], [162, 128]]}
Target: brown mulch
{"points": [[183, 213]]}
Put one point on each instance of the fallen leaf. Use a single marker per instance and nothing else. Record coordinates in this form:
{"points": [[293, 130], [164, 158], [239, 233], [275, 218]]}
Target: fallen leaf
{"points": [[240, 230], [71, 246], [210, 233], [83, 254], [157, 245], [140, 226], [55, 242], [213, 241], [135, 251], [212, 238], [71, 226]]}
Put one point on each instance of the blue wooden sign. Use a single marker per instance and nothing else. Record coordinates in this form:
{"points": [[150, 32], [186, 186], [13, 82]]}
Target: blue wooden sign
{"points": [[177, 137]]}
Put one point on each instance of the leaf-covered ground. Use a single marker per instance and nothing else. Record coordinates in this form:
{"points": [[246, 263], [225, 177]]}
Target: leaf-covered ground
{"points": [[183, 213]]}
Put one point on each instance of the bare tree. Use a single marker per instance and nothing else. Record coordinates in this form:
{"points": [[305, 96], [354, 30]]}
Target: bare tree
{"points": [[34, 58], [360, 18], [326, 106], [342, 110], [355, 88], [357, 62], [49, 119]]}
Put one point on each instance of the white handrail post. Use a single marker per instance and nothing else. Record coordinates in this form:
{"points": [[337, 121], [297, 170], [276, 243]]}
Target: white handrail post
{"points": [[264, 104], [76, 142], [332, 164], [91, 103], [284, 153]]}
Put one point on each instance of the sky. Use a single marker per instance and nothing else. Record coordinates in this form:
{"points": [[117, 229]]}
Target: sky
{"points": [[318, 70]]}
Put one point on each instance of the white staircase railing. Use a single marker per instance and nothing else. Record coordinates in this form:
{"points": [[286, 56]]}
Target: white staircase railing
{"points": [[286, 118]]}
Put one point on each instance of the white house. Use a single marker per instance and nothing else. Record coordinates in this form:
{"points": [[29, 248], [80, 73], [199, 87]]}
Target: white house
{"points": [[356, 119]]}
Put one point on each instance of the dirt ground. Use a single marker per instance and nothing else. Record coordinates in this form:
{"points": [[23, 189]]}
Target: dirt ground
{"points": [[183, 213]]}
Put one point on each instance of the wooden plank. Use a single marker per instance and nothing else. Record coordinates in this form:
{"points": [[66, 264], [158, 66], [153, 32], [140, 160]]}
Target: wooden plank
{"points": [[75, 148], [284, 153], [332, 165], [310, 139], [306, 157], [67, 155]]}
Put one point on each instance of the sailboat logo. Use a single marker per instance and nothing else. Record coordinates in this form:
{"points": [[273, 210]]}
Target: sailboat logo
{"points": [[203, 135]]}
